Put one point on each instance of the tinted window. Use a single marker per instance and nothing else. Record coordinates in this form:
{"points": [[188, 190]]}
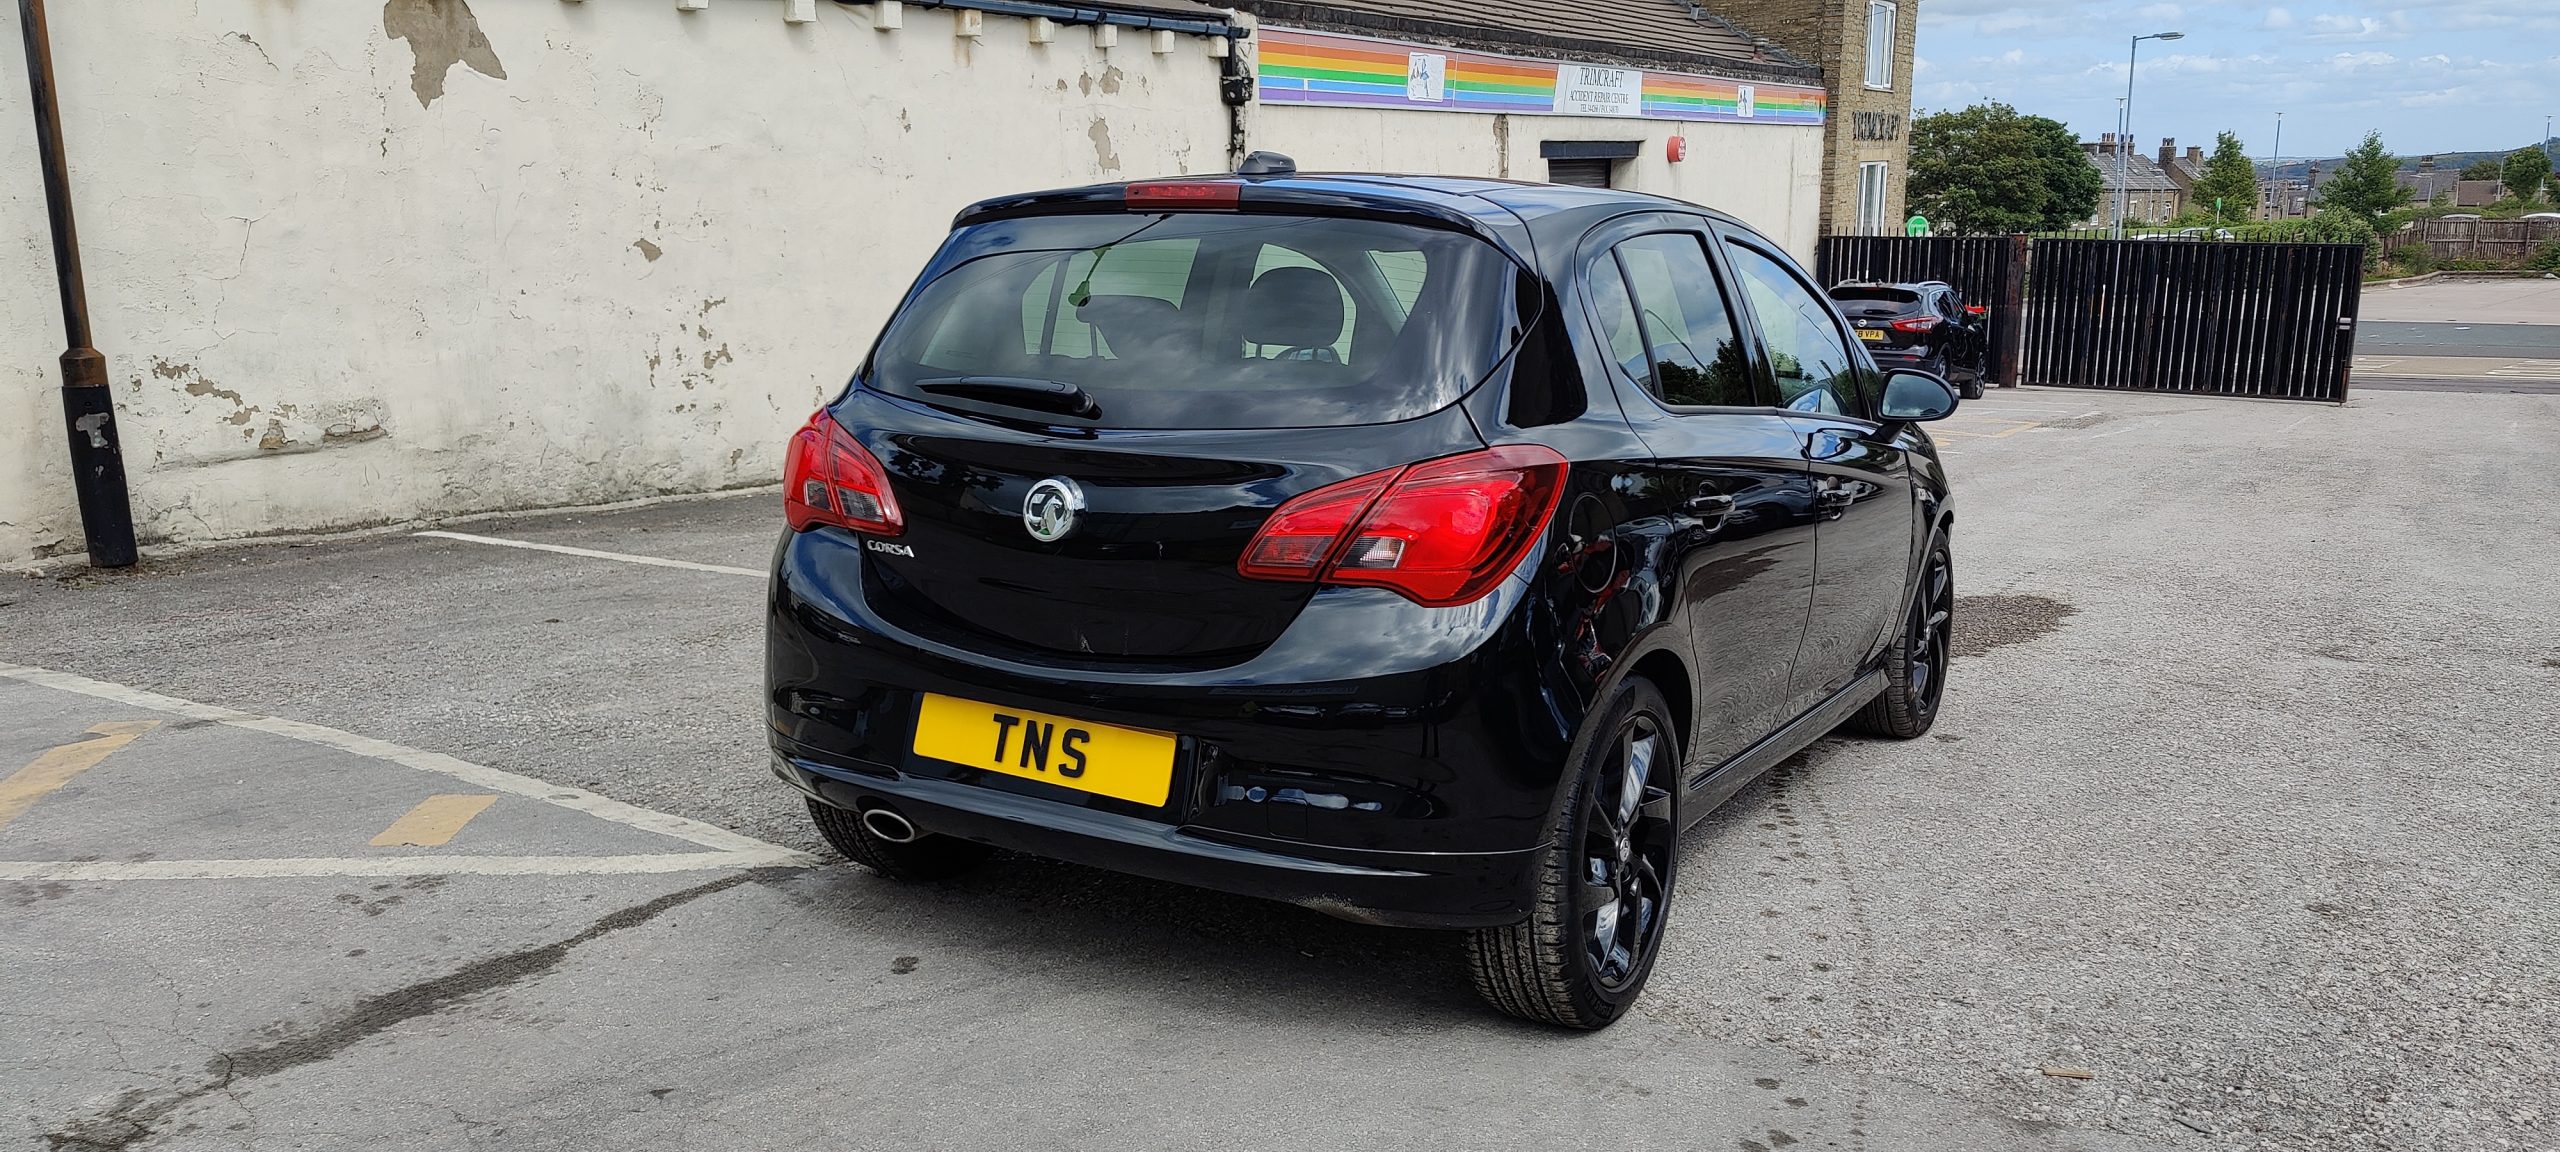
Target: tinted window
{"points": [[1888, 295], [1812, 363], [1697, 358], [1618, 324], [1193, 320]]}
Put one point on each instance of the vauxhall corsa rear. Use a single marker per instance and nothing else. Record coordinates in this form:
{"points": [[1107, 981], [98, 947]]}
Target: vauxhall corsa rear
{"points": [[1425, 552]]}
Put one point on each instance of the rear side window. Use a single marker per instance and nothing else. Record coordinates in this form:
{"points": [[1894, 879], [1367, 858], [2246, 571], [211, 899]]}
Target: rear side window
{"points": [[1876, 301], [1697, 358], [1196, 320]]}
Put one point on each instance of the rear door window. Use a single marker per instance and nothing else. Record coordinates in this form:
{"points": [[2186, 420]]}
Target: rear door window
{"points": [[1695, 350], [1201, 320], [1814, 370]]}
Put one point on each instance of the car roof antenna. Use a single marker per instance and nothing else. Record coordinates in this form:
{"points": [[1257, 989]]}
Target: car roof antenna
{"points": [[1267, 164]]}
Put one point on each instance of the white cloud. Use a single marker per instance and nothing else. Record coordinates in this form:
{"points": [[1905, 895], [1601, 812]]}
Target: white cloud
{"points": [[2277, 18]]}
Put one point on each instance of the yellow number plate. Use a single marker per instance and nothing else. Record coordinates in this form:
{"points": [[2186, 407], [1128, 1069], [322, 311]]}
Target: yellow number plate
{"points": [[1871, 335], [1122, 763]]}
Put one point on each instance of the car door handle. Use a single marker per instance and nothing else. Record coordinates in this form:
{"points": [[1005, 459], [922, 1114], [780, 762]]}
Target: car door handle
{"points": [[1832, 498], [1712, 507]]}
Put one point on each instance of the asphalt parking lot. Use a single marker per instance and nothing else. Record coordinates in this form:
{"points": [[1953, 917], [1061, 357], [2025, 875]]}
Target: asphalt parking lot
{"points": [[2237, 831]]}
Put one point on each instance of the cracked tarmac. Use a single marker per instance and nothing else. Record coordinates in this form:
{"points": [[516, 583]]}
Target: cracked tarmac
{"points": [[2240, 806]]}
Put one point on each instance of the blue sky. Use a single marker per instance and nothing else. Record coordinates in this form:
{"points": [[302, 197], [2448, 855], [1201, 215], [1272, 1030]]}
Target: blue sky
{"points": [[2432, 75]]}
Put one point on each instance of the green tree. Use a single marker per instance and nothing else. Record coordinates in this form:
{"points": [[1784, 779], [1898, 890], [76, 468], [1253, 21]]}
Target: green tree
{"points": [[2230, 178], [2526, 171], [2367, 183], [2484, 170], [1987, 169]]}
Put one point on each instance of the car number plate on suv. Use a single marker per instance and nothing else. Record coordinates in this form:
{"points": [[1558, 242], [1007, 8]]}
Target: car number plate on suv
{"points": [[1122, 763], [1871, 335]]}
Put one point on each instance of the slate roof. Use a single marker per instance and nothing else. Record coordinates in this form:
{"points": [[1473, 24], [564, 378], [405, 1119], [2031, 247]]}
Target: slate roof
{"points": [[2140, 172], [1672, 35]]}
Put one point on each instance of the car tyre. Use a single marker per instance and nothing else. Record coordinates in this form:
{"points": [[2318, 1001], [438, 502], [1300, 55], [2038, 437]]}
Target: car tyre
{"points": [[1915, 664], [1972, 388], [1604, 883], [927, 857]]}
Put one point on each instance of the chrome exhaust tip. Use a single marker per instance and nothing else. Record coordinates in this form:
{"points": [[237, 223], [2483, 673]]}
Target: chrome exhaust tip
{"points": [[886, 824]]}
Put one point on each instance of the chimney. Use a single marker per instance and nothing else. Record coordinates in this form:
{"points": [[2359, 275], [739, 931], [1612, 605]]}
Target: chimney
{"points": [[2168, 151], [2106, 144], [2195, 155], [2426, 163]]}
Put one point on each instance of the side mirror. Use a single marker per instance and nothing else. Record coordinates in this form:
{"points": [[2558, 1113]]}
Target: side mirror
{"points": [[1916, 398]]}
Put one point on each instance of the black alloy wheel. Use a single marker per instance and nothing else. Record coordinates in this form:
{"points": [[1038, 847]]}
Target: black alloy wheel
{"points": [[1916, 663], [1604, 892], [1626, 855]]}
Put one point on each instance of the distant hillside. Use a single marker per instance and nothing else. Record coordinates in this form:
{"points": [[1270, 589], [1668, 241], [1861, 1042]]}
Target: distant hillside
{"points": [[2293, 168]]}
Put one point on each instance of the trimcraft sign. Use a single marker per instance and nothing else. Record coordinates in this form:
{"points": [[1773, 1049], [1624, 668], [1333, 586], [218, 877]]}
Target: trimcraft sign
{"points": [[1355, 71]]}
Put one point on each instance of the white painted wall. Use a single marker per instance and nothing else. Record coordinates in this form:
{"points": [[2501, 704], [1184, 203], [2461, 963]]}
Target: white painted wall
{"points": [[344, 277], [1767, 176], [628, 267]]}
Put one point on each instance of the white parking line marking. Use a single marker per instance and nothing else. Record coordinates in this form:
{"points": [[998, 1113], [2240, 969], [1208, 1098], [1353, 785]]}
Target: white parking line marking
{"points": [[379, 866], [592, 554], [752, 853]]}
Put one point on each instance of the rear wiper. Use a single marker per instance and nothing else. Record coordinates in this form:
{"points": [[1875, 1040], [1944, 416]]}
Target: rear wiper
{"points": [[1056, 396]]}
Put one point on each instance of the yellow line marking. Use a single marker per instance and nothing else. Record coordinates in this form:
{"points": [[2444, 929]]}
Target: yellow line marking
{"points": [[57, 767], [433, 822]]}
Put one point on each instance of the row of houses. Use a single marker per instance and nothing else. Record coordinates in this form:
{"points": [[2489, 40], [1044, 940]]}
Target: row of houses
{"points": [[357, 264], [2160, 187]]}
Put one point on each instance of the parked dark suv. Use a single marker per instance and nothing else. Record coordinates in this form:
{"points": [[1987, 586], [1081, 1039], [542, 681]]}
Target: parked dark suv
{"points": [[1927, 326], [1425, 552]]}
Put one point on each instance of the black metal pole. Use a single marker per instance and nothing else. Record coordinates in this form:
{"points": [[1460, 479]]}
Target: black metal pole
{"points": [[88, 409]]}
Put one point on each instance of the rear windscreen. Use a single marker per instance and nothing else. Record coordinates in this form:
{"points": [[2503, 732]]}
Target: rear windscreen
{"points": [[1193, 320], [1881, 295]]}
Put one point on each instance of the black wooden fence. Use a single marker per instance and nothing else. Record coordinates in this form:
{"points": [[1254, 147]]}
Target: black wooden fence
{"points": [[2220, 318], [2271, 320]]}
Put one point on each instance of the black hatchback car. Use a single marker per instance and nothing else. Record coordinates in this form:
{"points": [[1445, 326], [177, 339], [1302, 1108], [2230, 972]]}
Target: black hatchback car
{"points": [[1425, 552], [1927, 326]]}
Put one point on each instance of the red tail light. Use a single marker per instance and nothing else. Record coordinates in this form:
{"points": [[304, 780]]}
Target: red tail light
{"points": [[832, 479], [1183, 194], [1916, 324], [1977, 309], [1442, 532]]}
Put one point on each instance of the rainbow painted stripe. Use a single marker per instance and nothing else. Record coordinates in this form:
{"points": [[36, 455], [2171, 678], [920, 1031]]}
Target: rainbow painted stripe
{"points": [[1324, 69]]}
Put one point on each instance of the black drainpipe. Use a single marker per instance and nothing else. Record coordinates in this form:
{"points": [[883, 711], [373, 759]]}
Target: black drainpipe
{"points": [[1235, 90], [88, 409]]}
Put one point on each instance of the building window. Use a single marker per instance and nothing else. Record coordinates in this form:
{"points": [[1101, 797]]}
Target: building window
{"points": [[1871, 199], [1880, 17]]}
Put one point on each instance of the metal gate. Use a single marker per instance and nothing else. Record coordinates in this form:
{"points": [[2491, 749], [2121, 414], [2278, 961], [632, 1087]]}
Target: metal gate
{"points": [[2211, 318], [2227, 319], [1985, 268]]}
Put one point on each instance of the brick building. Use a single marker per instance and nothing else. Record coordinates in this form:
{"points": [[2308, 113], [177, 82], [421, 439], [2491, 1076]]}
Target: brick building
{"points": [[2146, 194], [1864, 48], [2186, 170]]}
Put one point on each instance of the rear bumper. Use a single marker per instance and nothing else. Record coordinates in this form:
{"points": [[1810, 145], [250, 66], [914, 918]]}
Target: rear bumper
{"points": [[1887, 357], [1382, 762], [1399, 889]]}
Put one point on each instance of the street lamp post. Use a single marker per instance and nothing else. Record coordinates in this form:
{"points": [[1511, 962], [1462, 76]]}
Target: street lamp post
{"points": [[2124, 144], [2277, 199]]}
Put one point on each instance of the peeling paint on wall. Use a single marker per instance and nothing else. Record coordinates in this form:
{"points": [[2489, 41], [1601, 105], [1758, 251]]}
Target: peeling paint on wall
{"points": [[1103, 156], [441, 33], [648, 251]]}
